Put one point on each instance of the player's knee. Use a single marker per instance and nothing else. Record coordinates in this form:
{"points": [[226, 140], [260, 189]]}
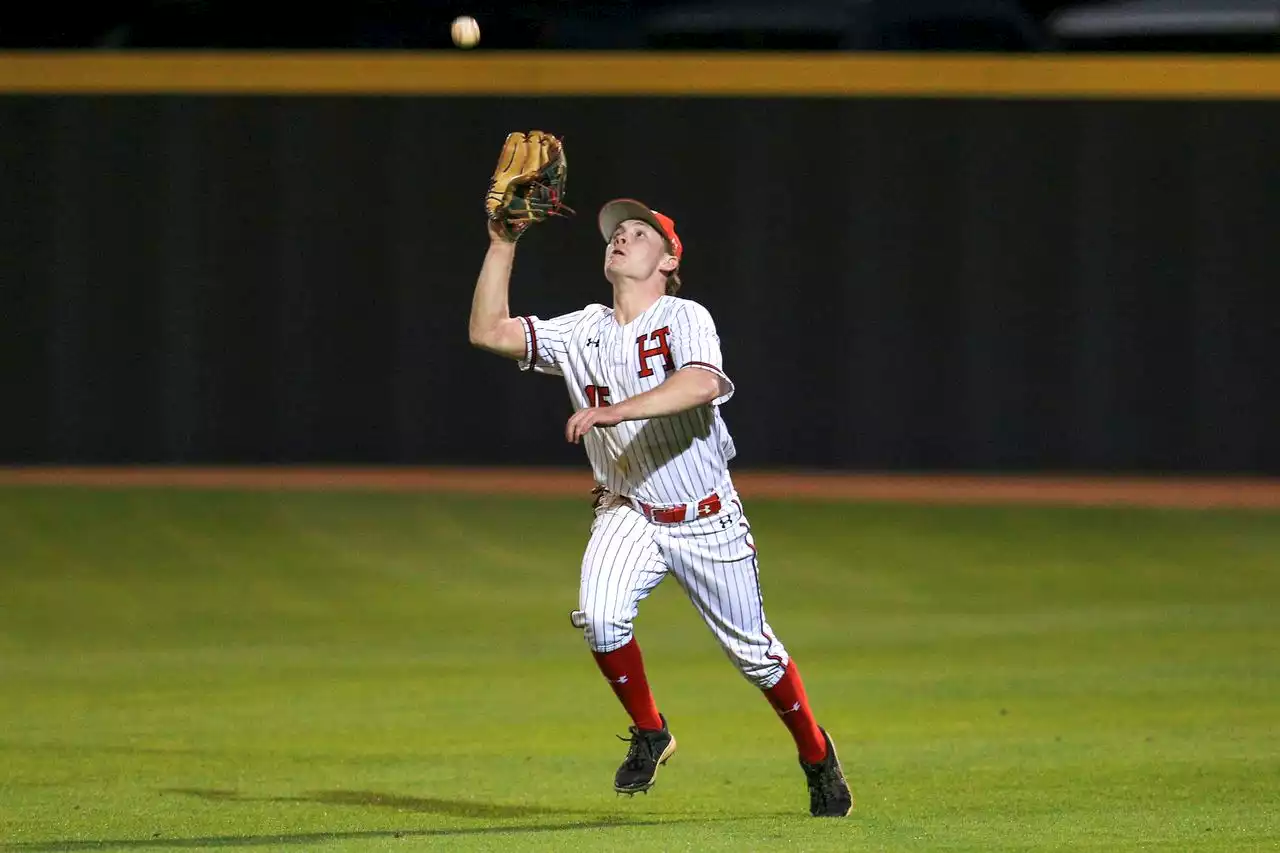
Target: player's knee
{"points": [[605, 630], [763, 673]]}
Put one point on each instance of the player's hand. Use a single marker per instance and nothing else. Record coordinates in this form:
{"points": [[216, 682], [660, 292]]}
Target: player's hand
{"points": [[581, 422]]}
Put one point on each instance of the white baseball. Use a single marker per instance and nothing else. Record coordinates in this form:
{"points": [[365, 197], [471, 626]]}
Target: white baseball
{"points": [[465, 31]]}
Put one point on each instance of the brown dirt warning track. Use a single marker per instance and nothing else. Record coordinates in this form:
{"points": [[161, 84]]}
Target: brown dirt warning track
{"points": [[1183, 492]]}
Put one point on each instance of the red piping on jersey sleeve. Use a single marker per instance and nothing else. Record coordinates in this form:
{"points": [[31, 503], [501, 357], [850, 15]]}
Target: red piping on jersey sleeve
{"points": [[702, 365], [533, 342], [711, 368]]}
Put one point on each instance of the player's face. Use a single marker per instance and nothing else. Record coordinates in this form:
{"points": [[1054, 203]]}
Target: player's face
{"points": [[636, 251]]}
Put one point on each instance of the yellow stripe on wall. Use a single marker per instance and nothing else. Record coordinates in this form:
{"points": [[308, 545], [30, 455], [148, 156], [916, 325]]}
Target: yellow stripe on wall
{"points": [[640, 74]]}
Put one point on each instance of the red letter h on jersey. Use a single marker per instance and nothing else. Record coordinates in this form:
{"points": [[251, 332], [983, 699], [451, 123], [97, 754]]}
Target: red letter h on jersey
{"points": [[662, 349]]}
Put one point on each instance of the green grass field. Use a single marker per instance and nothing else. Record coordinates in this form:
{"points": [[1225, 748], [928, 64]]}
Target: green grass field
{"points": [[360, 672]]}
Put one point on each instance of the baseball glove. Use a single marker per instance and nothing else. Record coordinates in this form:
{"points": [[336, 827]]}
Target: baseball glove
{"points": [[528, 183]]}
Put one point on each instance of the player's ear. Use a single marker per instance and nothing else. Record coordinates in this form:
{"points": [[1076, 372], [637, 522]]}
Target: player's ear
{"points": [[669, 264]]}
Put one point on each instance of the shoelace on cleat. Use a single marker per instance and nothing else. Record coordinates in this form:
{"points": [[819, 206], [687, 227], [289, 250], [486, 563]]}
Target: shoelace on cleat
{"points": [[823, 784], [642, 750]]}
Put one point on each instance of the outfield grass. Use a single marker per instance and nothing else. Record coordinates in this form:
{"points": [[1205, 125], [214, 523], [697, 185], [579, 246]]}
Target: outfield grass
{"points": [[327, 671]]}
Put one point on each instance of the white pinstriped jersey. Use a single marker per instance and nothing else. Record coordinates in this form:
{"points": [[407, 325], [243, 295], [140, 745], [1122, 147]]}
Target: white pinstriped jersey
{"points": [[663, 461]]}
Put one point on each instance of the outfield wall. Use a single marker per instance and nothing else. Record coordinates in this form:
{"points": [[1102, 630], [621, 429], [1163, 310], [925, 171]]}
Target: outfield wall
{"points": [[1197, 493], [916, 264]]}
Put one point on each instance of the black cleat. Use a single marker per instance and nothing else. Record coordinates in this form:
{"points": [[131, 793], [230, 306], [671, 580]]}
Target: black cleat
{"points": [[649, 749], [828, 791]]}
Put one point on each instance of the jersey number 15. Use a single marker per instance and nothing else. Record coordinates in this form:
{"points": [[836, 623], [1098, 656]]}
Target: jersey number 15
{"points": [[597, 395]]}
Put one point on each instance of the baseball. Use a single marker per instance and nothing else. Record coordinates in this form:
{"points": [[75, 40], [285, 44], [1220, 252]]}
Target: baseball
{"points": [[465, 31]]}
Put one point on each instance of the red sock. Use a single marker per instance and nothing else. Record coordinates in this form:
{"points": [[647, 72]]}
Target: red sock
{"points": [[788, 698], [624, 668]]}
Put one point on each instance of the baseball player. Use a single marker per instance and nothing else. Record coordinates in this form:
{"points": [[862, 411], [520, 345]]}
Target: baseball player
{"points": [[647, 380]]}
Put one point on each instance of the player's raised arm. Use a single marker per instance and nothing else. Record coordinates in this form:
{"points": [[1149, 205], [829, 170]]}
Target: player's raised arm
{"points": [[492, 327], [527, 187]]}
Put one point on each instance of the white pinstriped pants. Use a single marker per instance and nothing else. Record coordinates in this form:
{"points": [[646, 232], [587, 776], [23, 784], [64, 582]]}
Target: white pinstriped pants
{"points": [[714, 561]]}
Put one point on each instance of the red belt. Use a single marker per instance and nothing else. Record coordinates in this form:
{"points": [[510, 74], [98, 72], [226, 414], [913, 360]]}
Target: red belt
{"points": [[677, 513]]}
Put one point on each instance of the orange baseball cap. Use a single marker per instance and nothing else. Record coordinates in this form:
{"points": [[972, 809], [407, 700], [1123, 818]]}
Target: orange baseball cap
{"points": [[621, 209]]}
